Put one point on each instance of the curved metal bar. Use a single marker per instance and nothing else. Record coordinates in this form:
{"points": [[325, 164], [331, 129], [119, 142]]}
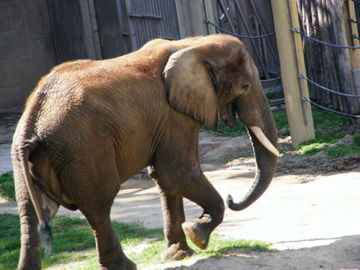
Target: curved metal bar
{"points": [[302, 76], [329, 110], [295, 30], [223, 30]]}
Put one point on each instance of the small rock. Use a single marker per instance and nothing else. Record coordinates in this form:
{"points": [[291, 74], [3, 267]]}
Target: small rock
{"points": [[319, 156], [347, 140]]}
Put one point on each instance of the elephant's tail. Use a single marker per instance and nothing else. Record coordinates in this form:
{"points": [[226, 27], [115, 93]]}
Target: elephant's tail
{"points": [[22, 154]]}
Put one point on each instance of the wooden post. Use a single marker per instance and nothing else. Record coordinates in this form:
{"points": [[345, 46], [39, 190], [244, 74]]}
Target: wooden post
{"points": [[291, 64], [191, 15], [351, 31], [211, 14]]}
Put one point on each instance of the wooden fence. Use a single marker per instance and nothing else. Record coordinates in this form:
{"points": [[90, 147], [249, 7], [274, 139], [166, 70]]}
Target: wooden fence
{"points": [[41, 33]]}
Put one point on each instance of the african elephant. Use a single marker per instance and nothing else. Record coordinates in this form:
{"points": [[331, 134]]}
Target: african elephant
{"points": [[90, 125]]}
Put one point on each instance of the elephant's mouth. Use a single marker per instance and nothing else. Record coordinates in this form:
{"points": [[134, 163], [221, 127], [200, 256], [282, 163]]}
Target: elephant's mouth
{"points": [[264, 140]]}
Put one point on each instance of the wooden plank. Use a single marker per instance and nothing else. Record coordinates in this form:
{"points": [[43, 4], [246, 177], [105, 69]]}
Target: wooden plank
{"points": [[352, 31], [181, 12], [254, 43], [291, 63], [88, 34], [211, 14], [191, 15], [197, 11], [131, 28]]}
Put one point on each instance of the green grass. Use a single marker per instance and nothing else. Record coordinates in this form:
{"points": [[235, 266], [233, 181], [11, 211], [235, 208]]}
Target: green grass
{"points": [[219, 246], [325, 122], [328, 131], [319, 144], [7, 190], [240, 129], [73, 242]]}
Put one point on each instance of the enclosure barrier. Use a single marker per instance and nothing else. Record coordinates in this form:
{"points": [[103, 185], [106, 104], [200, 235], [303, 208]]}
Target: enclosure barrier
{"points": [[319, 86], [223, 30], [293, 68], [292, 63], [219, 29]]}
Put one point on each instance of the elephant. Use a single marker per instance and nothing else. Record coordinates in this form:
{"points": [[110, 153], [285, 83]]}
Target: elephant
{"points": [[89, 125]]}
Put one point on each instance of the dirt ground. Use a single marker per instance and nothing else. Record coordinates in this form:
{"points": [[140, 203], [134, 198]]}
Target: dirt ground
{"points": [[310, 212]]}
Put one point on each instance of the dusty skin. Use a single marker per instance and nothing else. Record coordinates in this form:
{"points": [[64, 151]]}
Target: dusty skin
{"points": [[310, 212]]}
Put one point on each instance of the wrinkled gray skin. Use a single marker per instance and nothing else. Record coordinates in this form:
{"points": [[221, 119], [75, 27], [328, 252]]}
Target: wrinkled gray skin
{"points": [[90, 125]]}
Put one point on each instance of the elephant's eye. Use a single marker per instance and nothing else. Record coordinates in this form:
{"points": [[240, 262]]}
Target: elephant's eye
{"points": [[245, 86], [242, 88]]}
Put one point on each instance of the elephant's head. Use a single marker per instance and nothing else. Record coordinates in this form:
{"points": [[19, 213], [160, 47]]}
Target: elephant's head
{"points": [[216, 76]]}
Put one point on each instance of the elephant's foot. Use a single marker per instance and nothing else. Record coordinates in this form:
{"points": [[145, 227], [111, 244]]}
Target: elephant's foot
{"points": [[121, 263], [128, 265], [174, 252], [198, 232]]}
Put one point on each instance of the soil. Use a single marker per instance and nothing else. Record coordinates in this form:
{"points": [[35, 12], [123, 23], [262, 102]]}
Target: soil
{"points": [[310, 212]]}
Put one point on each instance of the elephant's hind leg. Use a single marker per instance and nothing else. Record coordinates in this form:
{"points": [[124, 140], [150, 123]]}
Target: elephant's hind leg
{"points": [[111, 256]]}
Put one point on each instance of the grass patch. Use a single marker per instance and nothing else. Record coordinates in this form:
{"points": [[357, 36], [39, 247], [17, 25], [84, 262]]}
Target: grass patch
{"points": [[325, 122], [341, 151], [7, 189], [73, 242], [240, 129], [70, 236], [327, 126], [224, 130], [219, 246], [328, 131], [319, 144], [332, 151]]}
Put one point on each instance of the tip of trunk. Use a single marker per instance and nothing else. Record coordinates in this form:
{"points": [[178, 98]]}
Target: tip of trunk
{"points": [[235, 206]]}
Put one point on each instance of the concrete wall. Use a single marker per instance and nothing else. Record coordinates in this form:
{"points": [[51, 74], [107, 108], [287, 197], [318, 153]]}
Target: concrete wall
{"points": [[26, 48]]}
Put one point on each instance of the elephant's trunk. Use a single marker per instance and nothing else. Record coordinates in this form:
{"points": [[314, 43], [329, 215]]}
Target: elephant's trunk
{"points": [[264, 141]]}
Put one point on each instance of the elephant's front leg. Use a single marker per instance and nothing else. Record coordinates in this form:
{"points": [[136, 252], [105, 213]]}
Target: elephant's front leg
{"points": [[198, 189], [173, 215], [173, 211], [188, 181]]}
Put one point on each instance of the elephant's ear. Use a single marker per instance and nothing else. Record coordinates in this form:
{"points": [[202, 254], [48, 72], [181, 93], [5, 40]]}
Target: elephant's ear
{"points": [[189, 86]]}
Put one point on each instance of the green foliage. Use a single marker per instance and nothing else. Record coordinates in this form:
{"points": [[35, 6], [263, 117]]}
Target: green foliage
{"points": [[9, 241], [325, 122], [224, 130], [343, 150], [240, 129], [219, 246], [330, 128], [319, 144], [7, 189], [73, 242], [280, 120], [356, 140]]}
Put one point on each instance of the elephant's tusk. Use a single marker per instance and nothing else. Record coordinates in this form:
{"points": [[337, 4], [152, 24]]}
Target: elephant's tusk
{"points": [[264, 140]]}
